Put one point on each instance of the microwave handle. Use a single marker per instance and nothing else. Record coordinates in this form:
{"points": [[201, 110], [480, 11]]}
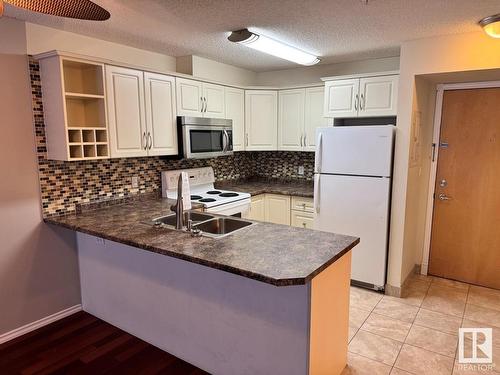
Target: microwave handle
{"points": [[225, 140]]}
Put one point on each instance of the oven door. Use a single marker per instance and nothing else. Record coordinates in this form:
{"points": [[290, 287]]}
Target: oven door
{"points": [[207, 141]]}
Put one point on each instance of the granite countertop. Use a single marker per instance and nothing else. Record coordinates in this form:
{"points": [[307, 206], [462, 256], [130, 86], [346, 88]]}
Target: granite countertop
{"points": [[256, 186], [275, 254]]}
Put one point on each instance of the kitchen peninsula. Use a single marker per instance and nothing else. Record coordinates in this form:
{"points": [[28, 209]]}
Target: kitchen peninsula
{"points": [[280, 307]]}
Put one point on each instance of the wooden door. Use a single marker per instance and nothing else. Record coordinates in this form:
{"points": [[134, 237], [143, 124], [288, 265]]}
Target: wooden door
{"points": [[161, 116], [189, 97], [257, 208], [465, 242], [261, 120], [378, 96], [291, 119], [314, 115], [235, 110], [342, 98], [214, 101], [126, 112]]}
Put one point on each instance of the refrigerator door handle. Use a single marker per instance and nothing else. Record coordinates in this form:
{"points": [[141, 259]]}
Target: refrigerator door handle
{"points": [[319, 153], [316, 192]]}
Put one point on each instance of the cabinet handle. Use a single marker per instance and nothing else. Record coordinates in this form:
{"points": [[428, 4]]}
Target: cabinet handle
{"points": [[305, 139], [301, 143], [202, 104], [362, 102], [356, 100], [304, 224], [246, 139], [206, 104], [145, 141], [150, 140]]}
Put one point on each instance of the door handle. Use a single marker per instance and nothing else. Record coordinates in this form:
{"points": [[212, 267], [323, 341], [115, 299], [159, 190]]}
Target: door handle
{"points": [[225, 140], [318, 155], [150, 140], [316, 197], [362, 102], [301, 143], [356, 100], [246, 139], [444, 197], [206, 104], [305, 139], [145, 141]]}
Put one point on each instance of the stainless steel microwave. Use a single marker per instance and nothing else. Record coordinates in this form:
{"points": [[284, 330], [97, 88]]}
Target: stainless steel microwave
{"points": [[205, 137]]}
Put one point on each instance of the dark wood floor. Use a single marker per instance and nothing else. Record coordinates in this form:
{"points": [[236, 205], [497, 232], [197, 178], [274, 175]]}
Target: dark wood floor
{"points": [[84, 344]]}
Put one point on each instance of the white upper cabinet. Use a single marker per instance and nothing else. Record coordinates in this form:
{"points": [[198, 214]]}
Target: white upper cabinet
{"points": [[214, 100], [291, 119], [362, 97], [126, 112], [378, 96], [314, 116], [199, 99], [142, 113], [189, 97], [235, 110], [161, 116], [300, 113], [261, 120], [341, 98]]}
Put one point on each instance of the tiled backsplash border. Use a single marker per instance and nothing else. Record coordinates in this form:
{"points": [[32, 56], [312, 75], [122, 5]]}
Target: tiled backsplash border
{"points": [[64, 185]]}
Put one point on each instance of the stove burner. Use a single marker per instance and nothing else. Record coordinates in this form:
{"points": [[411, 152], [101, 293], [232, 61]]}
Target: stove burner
{"points": [[228, 195], [213, 192], [207, 200], [195, 197]]}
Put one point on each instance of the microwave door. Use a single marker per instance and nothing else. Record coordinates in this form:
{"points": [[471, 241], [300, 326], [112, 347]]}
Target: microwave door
{"points": [[205, 143]]}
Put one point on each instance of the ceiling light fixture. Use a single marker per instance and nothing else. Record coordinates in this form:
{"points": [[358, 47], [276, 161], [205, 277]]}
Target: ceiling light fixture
{"points": [[80, 9], [491, 25], [272, 47]]}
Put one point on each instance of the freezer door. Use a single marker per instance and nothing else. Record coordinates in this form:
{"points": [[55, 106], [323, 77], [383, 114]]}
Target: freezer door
{"points": [[355, 150], [356, 206]]}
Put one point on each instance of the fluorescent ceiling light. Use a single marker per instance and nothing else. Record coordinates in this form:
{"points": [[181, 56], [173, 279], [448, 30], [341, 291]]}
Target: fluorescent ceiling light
{"points": [[272, 47], [491, 25]]}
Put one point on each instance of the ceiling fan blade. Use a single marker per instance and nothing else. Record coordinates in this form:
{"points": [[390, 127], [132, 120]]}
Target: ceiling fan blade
{"points": [[79, 9]]}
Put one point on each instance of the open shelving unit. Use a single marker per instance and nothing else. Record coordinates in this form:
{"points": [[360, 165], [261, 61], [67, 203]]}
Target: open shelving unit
{"points": [[75, 108]]}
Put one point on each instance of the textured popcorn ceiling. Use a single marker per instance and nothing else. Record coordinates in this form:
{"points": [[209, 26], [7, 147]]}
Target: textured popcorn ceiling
{"points": [[337, 30]]}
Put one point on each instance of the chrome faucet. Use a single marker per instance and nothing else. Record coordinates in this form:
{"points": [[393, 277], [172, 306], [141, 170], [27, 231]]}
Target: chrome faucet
{"points": [[179, 206]]}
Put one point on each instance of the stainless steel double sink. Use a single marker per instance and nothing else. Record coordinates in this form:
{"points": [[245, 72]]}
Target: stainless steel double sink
{"points": [[208, 225]]}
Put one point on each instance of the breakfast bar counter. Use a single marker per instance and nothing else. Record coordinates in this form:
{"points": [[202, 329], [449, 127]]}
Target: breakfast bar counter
{"points": [[265, 299]]}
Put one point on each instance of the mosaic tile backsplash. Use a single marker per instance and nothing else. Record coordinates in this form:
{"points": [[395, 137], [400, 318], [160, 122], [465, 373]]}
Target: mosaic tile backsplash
{"points": [[63, 184]]}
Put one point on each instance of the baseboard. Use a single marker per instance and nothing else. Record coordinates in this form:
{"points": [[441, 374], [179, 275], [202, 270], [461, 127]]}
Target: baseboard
{"points": [[39, 323]]}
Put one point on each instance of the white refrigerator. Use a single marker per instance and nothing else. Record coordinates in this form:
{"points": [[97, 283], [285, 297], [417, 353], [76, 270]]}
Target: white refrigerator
{"points": [[352, 183]]}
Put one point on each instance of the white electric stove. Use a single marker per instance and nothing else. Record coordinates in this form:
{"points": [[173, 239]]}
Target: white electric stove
{"points": [[201, 182]]}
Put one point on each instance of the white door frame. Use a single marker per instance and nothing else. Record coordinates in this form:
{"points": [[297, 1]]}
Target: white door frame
{"points": [[433, 170]]}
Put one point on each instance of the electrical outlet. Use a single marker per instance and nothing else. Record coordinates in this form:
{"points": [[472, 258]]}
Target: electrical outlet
{"points": [[301, 170], [135, 182]]}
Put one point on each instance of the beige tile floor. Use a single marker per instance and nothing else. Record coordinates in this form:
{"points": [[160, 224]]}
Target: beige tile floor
{"points": [[418, 334]]}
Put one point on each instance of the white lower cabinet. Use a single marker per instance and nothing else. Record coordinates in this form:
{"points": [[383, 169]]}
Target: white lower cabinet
{"points": [[277, 209], [257, 208], [302, 219]]}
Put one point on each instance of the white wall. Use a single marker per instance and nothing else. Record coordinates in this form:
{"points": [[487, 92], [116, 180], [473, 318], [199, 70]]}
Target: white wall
{"points": [[42, 39], [437, 55], [38, 263], [312, 74], [208, 69]]}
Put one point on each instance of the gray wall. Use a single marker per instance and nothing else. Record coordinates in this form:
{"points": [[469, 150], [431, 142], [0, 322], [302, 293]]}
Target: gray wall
{"points": [[38, 264]]}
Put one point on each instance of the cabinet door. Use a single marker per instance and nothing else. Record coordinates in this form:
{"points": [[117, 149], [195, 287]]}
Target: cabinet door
{"points": [[189, 97], [214, 101], [291, 119], [314, 116], [257, 208], [302, 219], [261, 120], [341, 98], [161, 114], [235, 110], [127, 123], [378, 96], [278, 209], [303, 204]]}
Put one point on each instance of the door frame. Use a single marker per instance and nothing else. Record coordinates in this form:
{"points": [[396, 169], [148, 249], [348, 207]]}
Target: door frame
{"points": [[441, 88]]}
